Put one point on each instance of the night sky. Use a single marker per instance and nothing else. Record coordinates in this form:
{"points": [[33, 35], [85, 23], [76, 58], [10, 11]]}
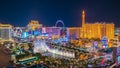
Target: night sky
{"points": [[47, 12]]}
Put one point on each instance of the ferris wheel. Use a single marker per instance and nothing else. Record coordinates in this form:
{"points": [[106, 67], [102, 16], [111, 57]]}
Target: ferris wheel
{"points": [[59, 21]]}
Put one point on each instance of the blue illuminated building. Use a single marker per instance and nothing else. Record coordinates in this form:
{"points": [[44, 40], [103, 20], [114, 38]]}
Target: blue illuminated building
{"points": [[24, 35]]}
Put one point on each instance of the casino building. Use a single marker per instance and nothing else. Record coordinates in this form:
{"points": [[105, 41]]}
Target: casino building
{"points": [[33, 24], [5, 32], [93, 30], [34, 29]]}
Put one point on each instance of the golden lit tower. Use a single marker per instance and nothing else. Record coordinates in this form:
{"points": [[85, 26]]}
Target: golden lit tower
{"points": [[83, 18]]}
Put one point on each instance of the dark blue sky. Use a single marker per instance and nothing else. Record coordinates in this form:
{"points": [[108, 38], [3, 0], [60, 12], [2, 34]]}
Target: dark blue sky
{"points": [[47, 12]]}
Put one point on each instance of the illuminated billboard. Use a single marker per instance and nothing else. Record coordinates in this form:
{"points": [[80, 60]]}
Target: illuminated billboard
{"points": [[105, 42]]}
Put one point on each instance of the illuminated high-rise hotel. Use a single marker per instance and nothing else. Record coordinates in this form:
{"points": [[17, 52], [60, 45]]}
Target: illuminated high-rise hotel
{"points": [[93, 30], [33, 24], [5, 32], [97, 29]]}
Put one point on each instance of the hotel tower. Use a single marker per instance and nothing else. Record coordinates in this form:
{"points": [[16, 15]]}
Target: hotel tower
{"points": [[93, 30]]}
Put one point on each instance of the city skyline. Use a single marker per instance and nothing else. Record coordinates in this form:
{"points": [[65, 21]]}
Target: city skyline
{"points": [[59, 34], [19, 13]]}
